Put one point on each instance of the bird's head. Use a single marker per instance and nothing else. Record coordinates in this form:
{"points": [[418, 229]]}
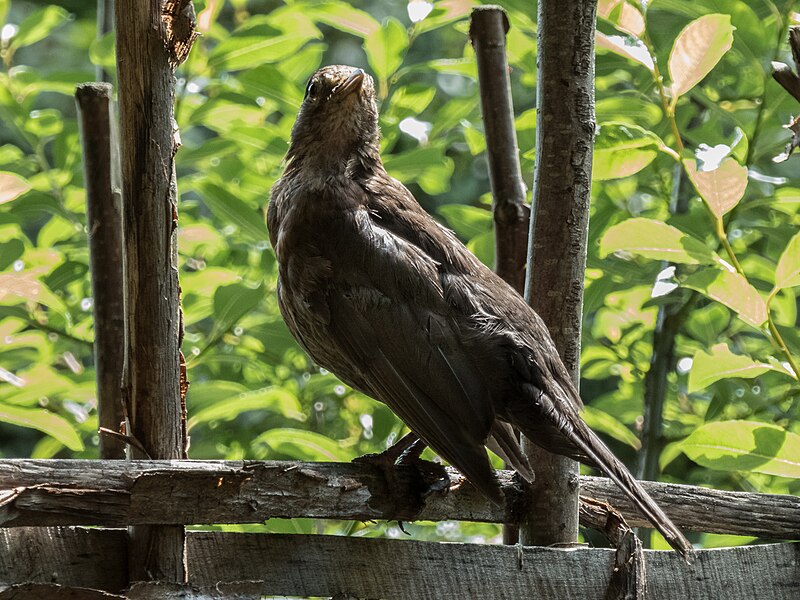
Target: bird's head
{"points": [[338, 119]]}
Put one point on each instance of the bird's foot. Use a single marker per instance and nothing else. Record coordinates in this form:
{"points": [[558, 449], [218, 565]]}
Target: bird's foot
{"points": [[386, 460], [433, 476]]}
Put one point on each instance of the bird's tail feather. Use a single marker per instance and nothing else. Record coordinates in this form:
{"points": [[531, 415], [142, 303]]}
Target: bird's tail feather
{"points": [[591, 445], [503, 442], [589, 448]]}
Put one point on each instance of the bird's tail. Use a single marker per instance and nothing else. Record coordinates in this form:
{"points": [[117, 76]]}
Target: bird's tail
{"points": [[584, 445]]}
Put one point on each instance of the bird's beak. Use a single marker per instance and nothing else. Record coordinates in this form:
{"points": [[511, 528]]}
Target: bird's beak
{"points": [[351, 84]]}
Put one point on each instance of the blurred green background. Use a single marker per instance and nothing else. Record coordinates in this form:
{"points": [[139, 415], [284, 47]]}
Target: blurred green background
{"points": [[731, 401]]}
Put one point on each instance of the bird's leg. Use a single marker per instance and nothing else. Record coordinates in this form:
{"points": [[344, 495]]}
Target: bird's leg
{"points": [[410, 453], [406, 452], [433, 474], [386, 460]]}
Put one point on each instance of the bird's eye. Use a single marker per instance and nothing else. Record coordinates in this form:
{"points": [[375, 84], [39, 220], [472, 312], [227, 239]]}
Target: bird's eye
{"points": [[311, 90]]}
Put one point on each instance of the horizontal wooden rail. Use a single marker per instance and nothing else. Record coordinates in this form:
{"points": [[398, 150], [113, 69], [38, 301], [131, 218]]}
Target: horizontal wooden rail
{"points": [[246, 566], [119, 493]]}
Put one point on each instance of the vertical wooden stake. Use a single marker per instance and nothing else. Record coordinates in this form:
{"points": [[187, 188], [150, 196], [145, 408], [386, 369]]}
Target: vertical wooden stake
{"points": [[146, 58], [104, 222], [565, 125], [488, 28]]}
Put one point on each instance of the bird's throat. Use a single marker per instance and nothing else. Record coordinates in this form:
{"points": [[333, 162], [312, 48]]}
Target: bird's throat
{"points": [[326, 162]]}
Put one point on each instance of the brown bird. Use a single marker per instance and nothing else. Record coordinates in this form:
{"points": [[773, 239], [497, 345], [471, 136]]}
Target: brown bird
{"points": [[379, 293]]}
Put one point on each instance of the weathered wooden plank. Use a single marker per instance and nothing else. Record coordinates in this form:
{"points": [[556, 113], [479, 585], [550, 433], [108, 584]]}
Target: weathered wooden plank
{"points": [[54, 591], [65, 556], [408, 570], [237, 565], [116, 493], [156, 590]]}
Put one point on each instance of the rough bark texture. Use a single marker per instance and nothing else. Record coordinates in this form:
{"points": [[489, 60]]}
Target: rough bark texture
{"points": [[245, 565], [114, 493], [151, 377], [488, 34], [565, 125], [104, 222]]}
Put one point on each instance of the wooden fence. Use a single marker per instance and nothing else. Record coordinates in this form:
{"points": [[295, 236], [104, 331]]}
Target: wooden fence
{"points": [[39, 561], [94, 529]]}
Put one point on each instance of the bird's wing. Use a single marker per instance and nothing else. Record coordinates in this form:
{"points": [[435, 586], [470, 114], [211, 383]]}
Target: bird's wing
{"points": [[388, 319]]}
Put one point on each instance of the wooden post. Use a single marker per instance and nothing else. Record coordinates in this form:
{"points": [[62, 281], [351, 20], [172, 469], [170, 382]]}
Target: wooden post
{"points": [[565, 125], [104, 222], [488, 28], [145, 62]]}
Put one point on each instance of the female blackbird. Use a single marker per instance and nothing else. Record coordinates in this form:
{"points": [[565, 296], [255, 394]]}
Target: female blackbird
{"points": [[383, 296]]}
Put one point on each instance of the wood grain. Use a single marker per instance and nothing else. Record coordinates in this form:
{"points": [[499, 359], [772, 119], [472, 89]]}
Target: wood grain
{"points": [[114, 493], [245, 565], [104, 221], [151, 376]]}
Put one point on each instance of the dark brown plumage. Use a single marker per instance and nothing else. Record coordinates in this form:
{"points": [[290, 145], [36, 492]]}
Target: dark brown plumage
{"points": [[382, 295]]}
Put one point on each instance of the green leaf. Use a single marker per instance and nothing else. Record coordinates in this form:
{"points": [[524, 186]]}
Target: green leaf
{"points": [[232, 302], [10, 251], [344, 17], [721, 188], [745, 446], [12, 186], [444, 13], [65, 273], [44, 421], [230, 209], [467, 221], [385, 48], [303, 445], [38, 26], [238, 53], [427, 166], [721, 363], [620, 150], [627, 47], [263, 39], [26, 286], [410, 100], [732, 290], [697, 50], [271, 399], [604, 422], [269, 82], [45, 123], [787, 273], [221, 115], [483, 246], [653, 239], [103, 52], [628, 108]]}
